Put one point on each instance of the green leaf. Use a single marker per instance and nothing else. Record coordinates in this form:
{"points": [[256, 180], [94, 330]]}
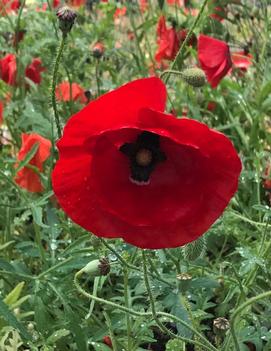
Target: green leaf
{"points": [[61, 333], [37, 216], [161, 4], [194, 250], [13, 321], [14, 295]]}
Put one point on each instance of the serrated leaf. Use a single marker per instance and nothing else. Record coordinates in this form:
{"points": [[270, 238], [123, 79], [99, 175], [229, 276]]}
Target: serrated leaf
{"points": [[9, 317], [195, 250]]}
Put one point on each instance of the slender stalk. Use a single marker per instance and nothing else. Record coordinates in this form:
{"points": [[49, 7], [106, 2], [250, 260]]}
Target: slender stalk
{"points": [[53, 87], [181, 50], [145, 314], [128, 265], [126, 299], [112, 336], [238, 312]]}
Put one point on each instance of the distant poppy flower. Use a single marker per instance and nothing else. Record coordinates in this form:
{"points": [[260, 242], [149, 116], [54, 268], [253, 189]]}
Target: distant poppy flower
{"points": [[167, 40], [98, 50], [120, 12], [175, 2], [143, 5], [214, 57], [8, 69], [65, 92], [107, 341], [8, 6], [219, 13], [241, 60], [33, 71], [211, 106], [267, 177], [1, 112], [55, 4], [127, 169], [27, 177], [76, 3]]}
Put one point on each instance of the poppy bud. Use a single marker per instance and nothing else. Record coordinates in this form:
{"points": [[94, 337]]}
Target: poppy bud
{"points": [[66, 18], [98, 50], [97, 268], [221, 324], [107, 341], [194, 76]]}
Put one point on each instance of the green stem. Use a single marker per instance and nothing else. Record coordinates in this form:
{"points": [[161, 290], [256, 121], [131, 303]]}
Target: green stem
{"points": [[53, 87], [180, 52], [110, 328], [238, 312], [155, 314], [128, 265], [126, 299], [144, 314]]}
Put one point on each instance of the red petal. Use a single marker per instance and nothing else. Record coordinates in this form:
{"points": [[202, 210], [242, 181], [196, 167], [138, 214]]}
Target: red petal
{"points": [[116, 109]]}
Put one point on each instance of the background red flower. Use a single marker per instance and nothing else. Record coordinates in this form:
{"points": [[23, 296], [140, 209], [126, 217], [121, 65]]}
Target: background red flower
{"points": [[7, 6], [33, 71], [214, 57], [8, 69], [167, 40], [241, 60], [127, 169], [28, 178], [65, 92]]}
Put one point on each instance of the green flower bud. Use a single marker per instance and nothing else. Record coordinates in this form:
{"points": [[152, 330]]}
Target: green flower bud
{"points": [[194, 76], [97, 268]]}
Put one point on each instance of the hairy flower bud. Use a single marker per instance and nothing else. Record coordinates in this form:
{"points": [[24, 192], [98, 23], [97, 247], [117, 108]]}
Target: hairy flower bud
{"points": [[66, 18], [194, 76], [221, 323], [97, 268]]}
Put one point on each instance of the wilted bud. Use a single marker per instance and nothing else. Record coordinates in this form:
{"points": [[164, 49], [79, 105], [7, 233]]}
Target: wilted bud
{"points": [[97, 268], [98, 50], [66, 18], [194, 76], [221, 323]]}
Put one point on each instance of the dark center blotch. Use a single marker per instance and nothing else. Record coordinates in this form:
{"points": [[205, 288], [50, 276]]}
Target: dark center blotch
{"points": [[144, 155]]}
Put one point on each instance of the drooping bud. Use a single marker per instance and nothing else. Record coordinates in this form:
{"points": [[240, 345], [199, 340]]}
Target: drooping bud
{"points": [[221, 323], [66, 17], [194, 76], [97, 268]]}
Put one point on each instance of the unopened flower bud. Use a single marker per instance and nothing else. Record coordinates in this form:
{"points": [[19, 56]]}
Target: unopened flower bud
{"points": [[98, 50], [194, 76], [221, 323], [97, 268], [66, 18]]}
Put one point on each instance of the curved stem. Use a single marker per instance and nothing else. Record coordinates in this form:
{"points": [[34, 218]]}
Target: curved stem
{"points": [[143, 314], [128, 265], [53, 87], [180, 52], [238, 313]]}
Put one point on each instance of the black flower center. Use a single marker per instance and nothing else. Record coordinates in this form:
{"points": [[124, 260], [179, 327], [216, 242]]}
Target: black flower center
{"points": [[144, 154]]}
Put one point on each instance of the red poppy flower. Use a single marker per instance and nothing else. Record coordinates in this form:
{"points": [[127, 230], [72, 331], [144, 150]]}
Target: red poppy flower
{"points": [[129, 170], [8, 69], [167, 40], [7, 6], [214, 57], [27, 177], [143, 5], [219, 13], [98, 50], [107, 340], [120, 12], [66, 93], [241, 60], [175, 2], [33, 71]]}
